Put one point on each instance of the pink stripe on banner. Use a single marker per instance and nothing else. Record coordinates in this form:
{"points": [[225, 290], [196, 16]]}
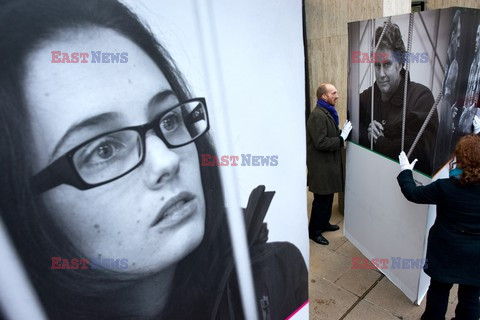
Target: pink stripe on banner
{"points": [[300, 308]]}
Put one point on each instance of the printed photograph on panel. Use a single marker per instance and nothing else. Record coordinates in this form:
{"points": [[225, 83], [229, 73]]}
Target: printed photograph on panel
{"points": [[103, 191], [425, 112]]}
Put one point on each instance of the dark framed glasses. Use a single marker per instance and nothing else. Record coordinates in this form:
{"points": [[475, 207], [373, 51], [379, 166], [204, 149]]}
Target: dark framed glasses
{"points": [[110, 156]]}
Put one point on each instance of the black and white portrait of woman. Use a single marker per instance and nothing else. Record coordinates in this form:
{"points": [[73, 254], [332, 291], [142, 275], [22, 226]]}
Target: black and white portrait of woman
{"points": [[101, 142]]}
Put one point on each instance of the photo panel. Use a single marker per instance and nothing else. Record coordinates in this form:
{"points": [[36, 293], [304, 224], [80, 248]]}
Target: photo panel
{"points": [[440, 104], [150, 181], [439, 40]]}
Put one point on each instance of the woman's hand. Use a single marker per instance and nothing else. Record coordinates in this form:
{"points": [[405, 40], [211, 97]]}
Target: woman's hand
{"points": [[404, 163]]}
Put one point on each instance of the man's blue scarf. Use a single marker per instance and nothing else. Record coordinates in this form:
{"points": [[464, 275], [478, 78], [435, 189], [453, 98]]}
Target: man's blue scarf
{"points": [[331, 109]]}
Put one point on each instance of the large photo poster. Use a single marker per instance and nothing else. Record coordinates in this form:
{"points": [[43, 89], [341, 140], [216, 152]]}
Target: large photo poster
{"points": [[140, 178], [440, 50], [413, 86]]}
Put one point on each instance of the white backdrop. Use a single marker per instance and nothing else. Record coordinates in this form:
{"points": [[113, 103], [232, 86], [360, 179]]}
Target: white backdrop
{"points": [[380, 222]]}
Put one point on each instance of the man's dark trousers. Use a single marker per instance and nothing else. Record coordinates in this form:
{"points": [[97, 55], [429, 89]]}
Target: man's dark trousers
{"points": [[321, 213]]}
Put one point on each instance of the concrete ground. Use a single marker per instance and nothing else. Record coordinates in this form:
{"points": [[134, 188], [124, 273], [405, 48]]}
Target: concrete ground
{"points": [[337, 292]]}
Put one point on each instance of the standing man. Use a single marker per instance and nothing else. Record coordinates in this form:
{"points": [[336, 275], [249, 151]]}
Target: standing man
{"points": [[324, 160]]}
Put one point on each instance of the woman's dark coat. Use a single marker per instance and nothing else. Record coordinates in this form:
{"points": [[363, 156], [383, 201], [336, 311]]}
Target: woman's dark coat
{"points": [[453, 250]]}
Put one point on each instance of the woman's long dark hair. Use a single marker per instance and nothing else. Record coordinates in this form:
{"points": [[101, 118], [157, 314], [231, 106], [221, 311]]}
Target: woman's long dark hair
{"points": [[84, 294]]}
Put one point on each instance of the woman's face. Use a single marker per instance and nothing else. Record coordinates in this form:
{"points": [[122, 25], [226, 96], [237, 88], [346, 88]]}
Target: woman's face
{"points": [[155, 215], [387, 73]]}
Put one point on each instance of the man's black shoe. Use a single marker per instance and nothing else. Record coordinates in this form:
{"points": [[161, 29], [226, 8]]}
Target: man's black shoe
{"points": [[331, 227], [319, 239]]}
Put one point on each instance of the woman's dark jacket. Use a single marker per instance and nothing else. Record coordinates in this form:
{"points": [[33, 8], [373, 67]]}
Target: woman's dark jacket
{"points": [[453, 250], [279, 270]]}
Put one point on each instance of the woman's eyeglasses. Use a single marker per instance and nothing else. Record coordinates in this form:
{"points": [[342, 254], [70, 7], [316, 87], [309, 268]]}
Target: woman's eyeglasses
{"points": [[112, 155]]}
